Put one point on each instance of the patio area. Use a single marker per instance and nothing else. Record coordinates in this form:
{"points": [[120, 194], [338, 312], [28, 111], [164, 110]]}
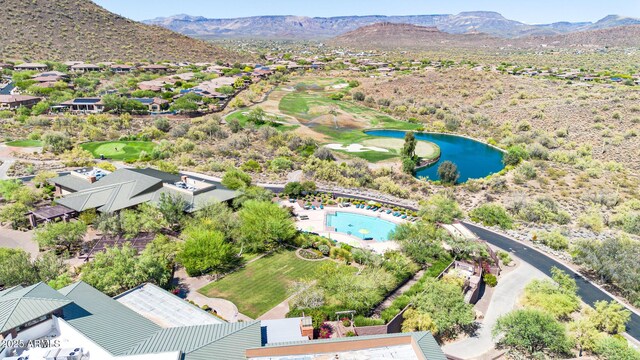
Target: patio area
{"points": [[315, 221]]}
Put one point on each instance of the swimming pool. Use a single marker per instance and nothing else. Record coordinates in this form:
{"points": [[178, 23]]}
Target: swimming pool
{"points": [[361, 226]]}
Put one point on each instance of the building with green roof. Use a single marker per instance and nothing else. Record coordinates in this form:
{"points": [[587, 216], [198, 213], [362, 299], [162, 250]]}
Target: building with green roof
{"points": [[90, 188], [79, 322]]}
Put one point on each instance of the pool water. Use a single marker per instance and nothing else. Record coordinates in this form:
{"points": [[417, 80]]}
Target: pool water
{"points": [[474, 159], [361, 226]]}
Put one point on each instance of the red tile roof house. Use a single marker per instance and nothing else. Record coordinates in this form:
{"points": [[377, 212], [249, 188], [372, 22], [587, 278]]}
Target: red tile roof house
{"points": [[84, 105], [31, 66], [83, 68], [15, 101], [121, 69]]}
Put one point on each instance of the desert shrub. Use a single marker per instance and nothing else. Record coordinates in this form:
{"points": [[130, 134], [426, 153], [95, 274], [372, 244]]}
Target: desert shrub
{"points": [[504, 257], [324, 249], [358, 96], [492, 215], [490, 280], [553, 239], [364, 321], [592, 220], [515, 154], [528, 171]]}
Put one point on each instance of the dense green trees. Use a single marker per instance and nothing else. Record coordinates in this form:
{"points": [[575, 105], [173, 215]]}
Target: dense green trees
{"points": [[61, 236], [295, 188], [531, 332], [408, 153], [206, 250], [16, 267], [264, 225], [422, 242], [121, 268], [444, 303], [56, 142], [614, 260]]}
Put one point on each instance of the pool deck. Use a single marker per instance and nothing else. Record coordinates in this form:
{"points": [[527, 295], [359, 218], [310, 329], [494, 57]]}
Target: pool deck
{"points": [[317, 224]]}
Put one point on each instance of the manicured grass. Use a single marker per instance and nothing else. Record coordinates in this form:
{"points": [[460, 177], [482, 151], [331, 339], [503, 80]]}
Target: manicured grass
{"points": [[243, 120], [371, 156], [424, 149], [25, 143], [119, 150], [264, 283]]}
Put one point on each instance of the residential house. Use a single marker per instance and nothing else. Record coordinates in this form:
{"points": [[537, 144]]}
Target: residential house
{"points": [[50, 77], [31, 67], [154, 85], [83, 68], [125, 188], [121, 68], [154, 68], [12, 102], [69, 64], [84, 105], [145, 323], [5, 66], [153, 104]]}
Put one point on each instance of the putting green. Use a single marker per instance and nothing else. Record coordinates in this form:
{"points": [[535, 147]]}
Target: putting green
{"points": [[25, 143], [424, 149], [119, 150]]}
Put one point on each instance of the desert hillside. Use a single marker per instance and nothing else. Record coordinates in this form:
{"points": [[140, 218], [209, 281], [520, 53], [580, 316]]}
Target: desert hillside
{"points": [[395, 36], [82, 30]]}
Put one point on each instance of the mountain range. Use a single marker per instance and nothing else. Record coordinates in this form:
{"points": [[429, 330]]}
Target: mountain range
{"points": [[81, 30], [407, 36], [306, 28]]}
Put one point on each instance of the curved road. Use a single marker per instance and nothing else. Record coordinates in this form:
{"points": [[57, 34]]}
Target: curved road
{"points": [[587, 291]]}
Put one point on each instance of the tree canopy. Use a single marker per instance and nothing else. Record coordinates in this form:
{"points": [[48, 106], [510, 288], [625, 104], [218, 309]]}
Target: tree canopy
{"points": [[531, 331], [264, 225]]}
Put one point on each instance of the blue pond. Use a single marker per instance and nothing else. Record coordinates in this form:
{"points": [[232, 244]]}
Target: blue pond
{"points": [[474, 159], [361, 226]]}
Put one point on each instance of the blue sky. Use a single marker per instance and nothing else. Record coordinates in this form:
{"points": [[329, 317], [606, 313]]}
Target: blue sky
{"points": [[528, 11]]}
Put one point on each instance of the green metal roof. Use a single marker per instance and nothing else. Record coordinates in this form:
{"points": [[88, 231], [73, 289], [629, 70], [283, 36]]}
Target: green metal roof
{"points": [[113, 326], [71, 182], [125, 188], [219, 341], [20, 305]]}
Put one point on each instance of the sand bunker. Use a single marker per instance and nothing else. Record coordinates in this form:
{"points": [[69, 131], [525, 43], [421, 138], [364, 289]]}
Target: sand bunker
{"points": [[353, 148]]}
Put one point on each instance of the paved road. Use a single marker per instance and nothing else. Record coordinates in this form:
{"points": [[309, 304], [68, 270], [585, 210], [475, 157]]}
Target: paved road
{"points": [[588, 291], [503, 300]]}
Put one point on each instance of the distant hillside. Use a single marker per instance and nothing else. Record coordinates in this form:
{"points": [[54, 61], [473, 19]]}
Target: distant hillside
{"points": [[621, 36], [407, 36], [82, 30], [301, 27]]}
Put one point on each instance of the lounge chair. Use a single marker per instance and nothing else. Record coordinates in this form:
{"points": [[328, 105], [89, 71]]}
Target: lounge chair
{"points": [[388, 211], [321, 206], [368, 207], [313, 207], [404, 216]]}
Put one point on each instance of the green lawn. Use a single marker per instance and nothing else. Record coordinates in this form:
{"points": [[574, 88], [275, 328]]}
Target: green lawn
{"points": [[25, 143], [262, 284], [371, 156], [119, 150]]}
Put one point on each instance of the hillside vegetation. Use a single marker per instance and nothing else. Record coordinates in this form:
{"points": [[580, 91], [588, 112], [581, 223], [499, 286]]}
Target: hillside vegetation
{"points": [[82, 30]]}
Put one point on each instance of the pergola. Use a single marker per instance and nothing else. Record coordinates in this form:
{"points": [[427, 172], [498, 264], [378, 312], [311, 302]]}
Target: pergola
{"points": [[51, 213], [139, 242]]}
